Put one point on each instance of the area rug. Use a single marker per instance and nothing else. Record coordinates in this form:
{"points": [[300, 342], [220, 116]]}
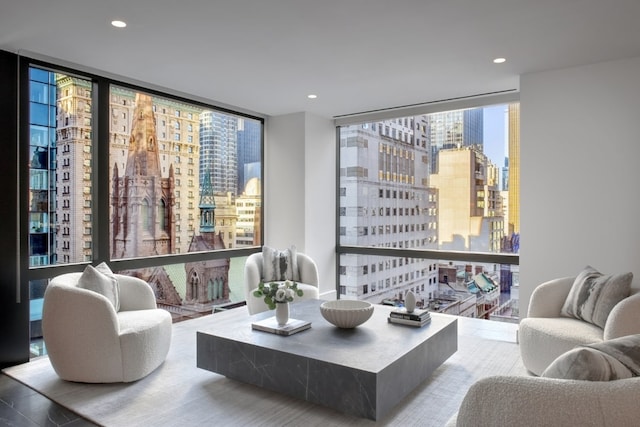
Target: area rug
{"points": [[180, 394]]}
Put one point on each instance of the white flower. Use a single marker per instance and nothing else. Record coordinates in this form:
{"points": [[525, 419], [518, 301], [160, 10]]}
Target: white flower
{"points": [[281, 295], [289, 294]]}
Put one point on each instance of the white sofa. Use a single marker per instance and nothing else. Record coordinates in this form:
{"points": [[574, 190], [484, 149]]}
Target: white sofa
{"points": [[533, 401], [253, 269], [544, 334], [87, 340]]}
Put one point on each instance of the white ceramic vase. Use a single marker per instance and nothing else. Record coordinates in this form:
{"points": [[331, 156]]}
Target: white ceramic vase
{"points": [[282, 313], [410, 302]]}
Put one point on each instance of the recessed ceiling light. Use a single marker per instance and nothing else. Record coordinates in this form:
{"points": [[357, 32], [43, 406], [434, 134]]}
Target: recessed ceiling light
{"points": [[312, 96], [118, 24], [499, 60]]}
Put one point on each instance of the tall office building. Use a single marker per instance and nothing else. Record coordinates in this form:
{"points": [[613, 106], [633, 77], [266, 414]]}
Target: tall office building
{"points": [[475, 222], [514, 168], [385, 201], [218, 150], [249, 208], [249, 137], [72, 195], [453, 129]]}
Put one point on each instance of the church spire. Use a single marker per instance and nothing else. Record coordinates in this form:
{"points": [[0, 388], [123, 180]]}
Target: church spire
{"points": [[207, 205], [143, 157]]}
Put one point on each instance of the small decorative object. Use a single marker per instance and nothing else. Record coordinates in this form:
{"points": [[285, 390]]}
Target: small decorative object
{"points": [[346, 314], [410, 302], [275, 293], [405, 317], [282, 313], [278, 296]]}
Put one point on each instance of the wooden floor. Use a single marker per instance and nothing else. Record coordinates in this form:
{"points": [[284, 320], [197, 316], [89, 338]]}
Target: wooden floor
{"points": [[20, 406]]}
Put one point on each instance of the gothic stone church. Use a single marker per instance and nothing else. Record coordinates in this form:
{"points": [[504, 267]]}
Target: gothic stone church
{"points": [[143, 222]]}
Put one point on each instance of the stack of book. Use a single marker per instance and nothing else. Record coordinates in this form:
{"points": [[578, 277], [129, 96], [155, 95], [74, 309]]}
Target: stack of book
{"points": [[415, 318], [270, 324]]}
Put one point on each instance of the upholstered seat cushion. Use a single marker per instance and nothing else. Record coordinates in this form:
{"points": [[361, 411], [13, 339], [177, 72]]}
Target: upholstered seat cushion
{"points": [[543, 339], [145, 337]]}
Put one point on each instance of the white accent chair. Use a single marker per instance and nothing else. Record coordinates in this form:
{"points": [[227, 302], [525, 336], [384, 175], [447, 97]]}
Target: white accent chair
{"points": [[544, 334], [308, 282], [88, 341], [550, 402]]}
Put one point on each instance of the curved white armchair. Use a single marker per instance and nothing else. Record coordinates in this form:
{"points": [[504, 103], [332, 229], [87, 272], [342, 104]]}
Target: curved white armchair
{"points": [[253, 275], [544, 334], [87, 340], [533, 401]]}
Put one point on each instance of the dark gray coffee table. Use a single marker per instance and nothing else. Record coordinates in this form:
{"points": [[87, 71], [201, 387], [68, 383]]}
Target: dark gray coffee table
{"points": [[364, 371]]}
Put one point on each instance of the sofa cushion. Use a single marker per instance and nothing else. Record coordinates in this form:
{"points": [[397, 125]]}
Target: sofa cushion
{"points": [[608, 360], [100, 281], [593, 295], [279, 265]]}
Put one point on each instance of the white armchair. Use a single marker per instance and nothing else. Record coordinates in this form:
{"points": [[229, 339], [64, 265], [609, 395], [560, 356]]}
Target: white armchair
{"points": [[253, 269], [544, 334], [550, 402], [87, 340]]}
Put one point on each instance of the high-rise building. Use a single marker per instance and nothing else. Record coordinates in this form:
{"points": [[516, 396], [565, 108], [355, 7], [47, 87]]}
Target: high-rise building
{"points": [[249, 208], [470, 204], [72, 195], [453, 129], [249, 156], [386, 202], [514, 169], [218, 150]]}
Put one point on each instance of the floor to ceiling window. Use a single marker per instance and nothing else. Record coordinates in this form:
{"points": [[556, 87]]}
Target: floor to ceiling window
{"points": [[183, 197], [430, 203]]}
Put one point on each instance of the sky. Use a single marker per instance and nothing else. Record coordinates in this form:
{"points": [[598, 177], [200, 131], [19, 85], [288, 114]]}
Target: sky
{"points": [[495, 141]]}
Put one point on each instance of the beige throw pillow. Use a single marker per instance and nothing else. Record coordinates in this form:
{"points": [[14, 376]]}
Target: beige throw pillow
{"points": [[101, 280]]}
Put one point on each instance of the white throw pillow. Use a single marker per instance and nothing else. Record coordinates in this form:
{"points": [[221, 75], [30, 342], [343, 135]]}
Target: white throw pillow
{"points": [[613, 359], [593, 295], [583, 363], [279, 265], [101, 280]]}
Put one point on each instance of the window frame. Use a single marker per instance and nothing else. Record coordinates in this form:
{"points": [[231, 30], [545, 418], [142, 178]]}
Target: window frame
{"points": [[100, 177], [504, 97]]}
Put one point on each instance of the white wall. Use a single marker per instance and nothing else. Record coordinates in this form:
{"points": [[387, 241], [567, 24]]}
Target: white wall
{"points": [[300, 156], [580, 148]]}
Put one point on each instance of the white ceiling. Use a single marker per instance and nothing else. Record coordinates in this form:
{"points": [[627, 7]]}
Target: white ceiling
{"points": [[265, 56]]}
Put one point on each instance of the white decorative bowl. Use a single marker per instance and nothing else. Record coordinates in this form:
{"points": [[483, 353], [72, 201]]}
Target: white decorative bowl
{"points": [[346, 313]]}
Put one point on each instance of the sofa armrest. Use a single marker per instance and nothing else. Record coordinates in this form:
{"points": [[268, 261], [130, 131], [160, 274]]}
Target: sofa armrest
{"points": [[252, 273], [548, 298], [624, 319], [135, 294], [534, 401], [308, 270], [80, 327]]}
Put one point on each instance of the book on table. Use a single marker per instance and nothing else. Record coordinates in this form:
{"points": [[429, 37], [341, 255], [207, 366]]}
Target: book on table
{"points": [[401, 321], [402, 313], [270, 324]]}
